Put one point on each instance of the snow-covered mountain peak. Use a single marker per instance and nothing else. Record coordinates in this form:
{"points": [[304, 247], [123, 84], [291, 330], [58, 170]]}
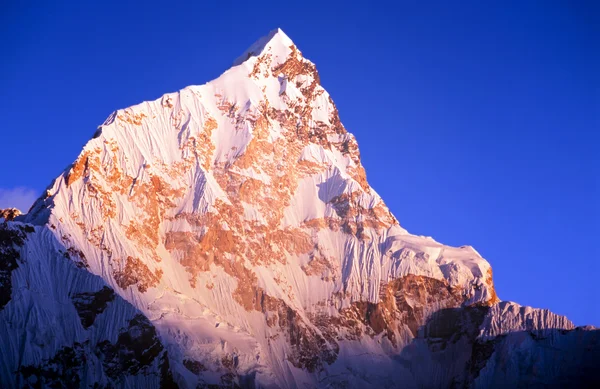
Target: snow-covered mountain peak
{"points": [[254, 168], [236, 217], [276, 43]]}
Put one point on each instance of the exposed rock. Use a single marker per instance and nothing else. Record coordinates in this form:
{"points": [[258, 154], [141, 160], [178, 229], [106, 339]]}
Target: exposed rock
{"points": [[194, 366], [166, 375], [61, 371], [9, 214], [91, 304], [12, 236], [136, 348], [137, 273]]}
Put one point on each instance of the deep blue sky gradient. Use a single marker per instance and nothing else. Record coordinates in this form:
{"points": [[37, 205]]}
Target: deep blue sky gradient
{"points": [[478, 123]]}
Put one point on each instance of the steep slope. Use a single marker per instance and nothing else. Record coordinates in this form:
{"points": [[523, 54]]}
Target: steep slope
{"points": [[233, 221], [62, 326]]}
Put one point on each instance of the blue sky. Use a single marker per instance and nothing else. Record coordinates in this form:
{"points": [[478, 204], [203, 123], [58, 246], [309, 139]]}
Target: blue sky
{"points": [[478, 124]]}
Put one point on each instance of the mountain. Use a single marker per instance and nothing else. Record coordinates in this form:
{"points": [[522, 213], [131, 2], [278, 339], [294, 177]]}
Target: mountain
{"points": [[226, 236]]}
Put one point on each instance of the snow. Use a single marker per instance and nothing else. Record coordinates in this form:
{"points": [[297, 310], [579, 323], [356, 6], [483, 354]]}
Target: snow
{"points": [[276, 41]]}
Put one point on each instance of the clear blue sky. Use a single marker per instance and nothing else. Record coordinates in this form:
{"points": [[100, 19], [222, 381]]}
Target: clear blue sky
{"points": [[478, 124]]}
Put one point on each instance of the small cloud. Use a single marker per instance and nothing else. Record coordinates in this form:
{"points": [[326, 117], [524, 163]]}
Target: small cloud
{"points": [[21, 198]]}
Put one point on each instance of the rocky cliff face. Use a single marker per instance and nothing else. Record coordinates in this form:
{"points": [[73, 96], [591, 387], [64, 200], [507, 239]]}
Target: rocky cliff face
{"points": [[226, 236]]}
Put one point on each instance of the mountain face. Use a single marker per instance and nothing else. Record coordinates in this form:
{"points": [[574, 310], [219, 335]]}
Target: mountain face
{"points": [[226, 236]]}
